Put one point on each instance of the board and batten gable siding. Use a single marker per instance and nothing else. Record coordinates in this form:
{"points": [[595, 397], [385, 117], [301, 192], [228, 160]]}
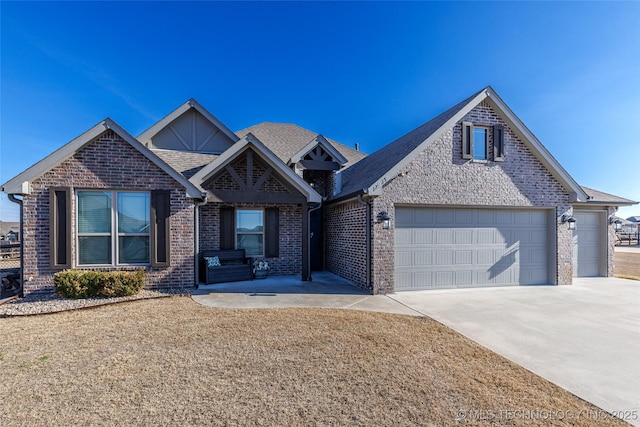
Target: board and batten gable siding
{"points": [[345, 242], [107, 163], [439, 176]]}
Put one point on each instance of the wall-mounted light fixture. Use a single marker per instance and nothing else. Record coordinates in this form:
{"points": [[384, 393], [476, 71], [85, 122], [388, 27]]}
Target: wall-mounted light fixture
{"points": [[616, 222], [571, 220], [385, 219]]}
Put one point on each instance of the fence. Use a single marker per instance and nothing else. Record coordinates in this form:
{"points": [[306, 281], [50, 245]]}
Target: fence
{"points": [[10, 256], [627, 239]]}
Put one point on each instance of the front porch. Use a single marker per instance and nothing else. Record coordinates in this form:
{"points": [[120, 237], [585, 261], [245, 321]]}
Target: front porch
{"points": [[326, 291]]}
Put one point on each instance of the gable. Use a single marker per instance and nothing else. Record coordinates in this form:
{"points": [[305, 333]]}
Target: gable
{"points": [[21, 184], [372, 173], [254, 150], [191, 132], [247, 178], [440, 175]]}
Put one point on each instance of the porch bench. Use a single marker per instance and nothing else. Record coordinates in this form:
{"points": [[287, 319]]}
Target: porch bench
{"points": [[234, 266]]}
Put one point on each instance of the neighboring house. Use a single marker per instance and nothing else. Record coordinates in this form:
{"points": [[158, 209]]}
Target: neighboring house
{"points": [[471, 198], [635, 219]]}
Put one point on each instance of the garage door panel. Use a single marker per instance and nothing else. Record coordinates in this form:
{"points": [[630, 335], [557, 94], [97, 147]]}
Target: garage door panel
{"points": [[463, 278], [444, 237], [423, 258], [464, 257], [404, 258], [422, 236], [471, 247], [586, 241], [463, 237]]}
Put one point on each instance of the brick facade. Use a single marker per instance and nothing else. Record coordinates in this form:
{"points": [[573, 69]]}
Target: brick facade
{"points": [[345, 241], [289, 261], [107, 163], [440, 177], [290, 234]]}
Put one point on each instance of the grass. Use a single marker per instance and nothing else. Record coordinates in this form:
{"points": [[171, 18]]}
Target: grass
{"points": [[172, 362], [627, 265]]}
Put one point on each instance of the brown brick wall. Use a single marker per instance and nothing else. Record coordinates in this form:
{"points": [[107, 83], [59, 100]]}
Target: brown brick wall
{"points": [[107, 163], [345, 241], [290, 260]]}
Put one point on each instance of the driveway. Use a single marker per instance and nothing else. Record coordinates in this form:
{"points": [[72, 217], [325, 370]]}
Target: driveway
{"points": [[584, 337]]}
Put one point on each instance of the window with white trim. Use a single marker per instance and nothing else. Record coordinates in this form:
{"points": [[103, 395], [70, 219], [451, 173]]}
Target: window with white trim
{"points": [[113, 226], [250, 231]]}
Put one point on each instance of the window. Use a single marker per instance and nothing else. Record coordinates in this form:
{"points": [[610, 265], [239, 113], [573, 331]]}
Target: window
{"points": [[478, 141], [250, 231], [113, 226]]}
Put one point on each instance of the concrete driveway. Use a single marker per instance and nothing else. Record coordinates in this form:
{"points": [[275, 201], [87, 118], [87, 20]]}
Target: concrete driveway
{"points": [[584, 337]]}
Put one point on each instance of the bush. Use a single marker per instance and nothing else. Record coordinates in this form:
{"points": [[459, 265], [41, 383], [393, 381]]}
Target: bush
{"points": [[88, 283]]}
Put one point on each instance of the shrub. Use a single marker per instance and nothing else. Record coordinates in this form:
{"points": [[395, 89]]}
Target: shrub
{"points": [[122, 283], [88, 283]]}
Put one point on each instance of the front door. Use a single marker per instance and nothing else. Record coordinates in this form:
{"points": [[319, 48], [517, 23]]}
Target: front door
{"points": [[316, 245]]}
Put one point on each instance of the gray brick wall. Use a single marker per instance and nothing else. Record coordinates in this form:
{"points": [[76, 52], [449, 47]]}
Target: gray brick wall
{"points": [[107, 163], [440, 177]]}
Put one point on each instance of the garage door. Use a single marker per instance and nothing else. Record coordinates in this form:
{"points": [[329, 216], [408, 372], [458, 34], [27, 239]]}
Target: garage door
{"points": [[445, 248], [586, 244]]}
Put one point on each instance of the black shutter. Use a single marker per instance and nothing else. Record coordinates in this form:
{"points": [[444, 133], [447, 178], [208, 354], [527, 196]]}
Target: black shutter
{"points": [[271, 232], [498, 143], [227, 228], [60, 227], [160, 228], [467, 140]]}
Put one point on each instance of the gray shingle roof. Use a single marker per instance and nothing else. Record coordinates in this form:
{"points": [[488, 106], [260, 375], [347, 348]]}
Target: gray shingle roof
{"points": [[185, 162], [601, 197], [366, 172], [286, 139]]}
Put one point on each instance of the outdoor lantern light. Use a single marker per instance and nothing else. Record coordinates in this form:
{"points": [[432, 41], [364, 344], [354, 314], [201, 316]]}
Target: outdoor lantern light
{"points": [[617, 224], [385, 219], [571, 220]]}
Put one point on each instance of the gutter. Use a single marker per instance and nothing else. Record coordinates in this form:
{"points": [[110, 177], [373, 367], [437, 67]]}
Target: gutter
{"points": [[196, 237], [13, 198], [368, 239], [309, 278]]}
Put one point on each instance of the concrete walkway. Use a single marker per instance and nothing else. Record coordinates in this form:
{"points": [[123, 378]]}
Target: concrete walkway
{"points": [[584, 337], [326, 290]]}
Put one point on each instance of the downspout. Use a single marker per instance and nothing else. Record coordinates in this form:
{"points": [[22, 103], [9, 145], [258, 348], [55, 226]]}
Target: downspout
{"points": [[309, 278], [368, 239], [196, 237], [13, 198]]}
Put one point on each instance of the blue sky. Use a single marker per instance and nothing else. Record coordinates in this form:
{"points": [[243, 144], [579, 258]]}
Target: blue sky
{"points": [[355, 72]]}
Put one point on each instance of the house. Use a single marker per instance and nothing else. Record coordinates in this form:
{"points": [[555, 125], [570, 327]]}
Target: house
{"points": [[470, 198]]}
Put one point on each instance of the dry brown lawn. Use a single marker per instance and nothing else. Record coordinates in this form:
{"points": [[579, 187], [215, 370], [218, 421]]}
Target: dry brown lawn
{"points": [[627, 264], [172, 362]]}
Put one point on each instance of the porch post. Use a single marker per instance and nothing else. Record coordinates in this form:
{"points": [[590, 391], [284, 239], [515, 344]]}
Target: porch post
{"points": [[305, 242]]}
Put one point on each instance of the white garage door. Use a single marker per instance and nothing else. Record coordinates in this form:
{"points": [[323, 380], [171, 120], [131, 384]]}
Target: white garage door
{"points": [[586, 244], [442, 248]]}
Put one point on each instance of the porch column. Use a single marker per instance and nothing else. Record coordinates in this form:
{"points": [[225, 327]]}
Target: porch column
{"points": [[306, 273]]}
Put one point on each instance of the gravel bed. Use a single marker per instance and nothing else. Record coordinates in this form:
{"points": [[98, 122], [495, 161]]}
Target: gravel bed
{"points": [[53, 303]]}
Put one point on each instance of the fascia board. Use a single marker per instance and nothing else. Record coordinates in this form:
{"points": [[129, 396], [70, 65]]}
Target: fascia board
{"points": [[19, 183], [250, 141], [322, 141], [536, 146], [146, 136], [376, 187]]}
